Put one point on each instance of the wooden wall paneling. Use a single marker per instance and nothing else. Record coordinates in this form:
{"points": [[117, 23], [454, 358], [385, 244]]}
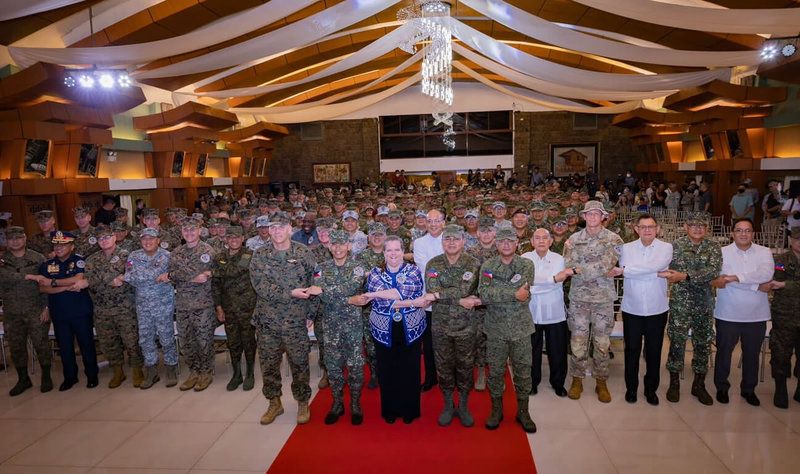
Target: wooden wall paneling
{"points": [[12, 158], [58, 162], [161, 198], [769, 142]]}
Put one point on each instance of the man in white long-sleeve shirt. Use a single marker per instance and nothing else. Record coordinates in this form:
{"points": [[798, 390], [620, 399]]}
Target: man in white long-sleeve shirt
{"points": [[742, 311], [549, 312], [644, 264], [425, 248]]}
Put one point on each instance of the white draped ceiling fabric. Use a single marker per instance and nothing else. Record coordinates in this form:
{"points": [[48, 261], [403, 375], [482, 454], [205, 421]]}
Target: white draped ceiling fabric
{"points": [[10, 9]]}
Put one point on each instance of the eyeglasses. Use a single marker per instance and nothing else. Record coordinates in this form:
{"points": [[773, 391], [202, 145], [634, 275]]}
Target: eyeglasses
{"points": [[471, 218], [105, 237], [434, 221], [743, 231]]}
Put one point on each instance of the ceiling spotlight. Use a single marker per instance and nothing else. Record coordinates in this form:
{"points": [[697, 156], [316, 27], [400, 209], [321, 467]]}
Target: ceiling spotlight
{"points": [[124, 80], [69, 81], [788, 50], [106, 81], [86, 81], [769, 51]]}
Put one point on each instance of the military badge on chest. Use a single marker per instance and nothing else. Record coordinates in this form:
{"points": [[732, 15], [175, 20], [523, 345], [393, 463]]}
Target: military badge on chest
{"points": [[205, 258]]}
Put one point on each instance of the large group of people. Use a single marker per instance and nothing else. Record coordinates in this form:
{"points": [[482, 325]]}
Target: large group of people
{"points": [[464, 278]]}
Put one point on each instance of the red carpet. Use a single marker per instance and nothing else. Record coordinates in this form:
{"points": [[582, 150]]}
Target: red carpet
{"points": [[420, 447]]}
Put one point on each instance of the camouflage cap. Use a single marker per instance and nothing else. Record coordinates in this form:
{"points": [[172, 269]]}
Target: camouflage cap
{"points": [[222, 222], [326, 223], [383, 211], [280, 218], [339, 237], [234, 231], [697, 218], [395, 213], [453, 230], [795, 233], [299, 215], [149, 213], [485, 223], [570, 211], [459, 205], [80, 211], [181, 212], [119, 226], [148, 232], [560, 219], [263, 202], [471, 213], [553, 206], [506, 233], [497, 204], [199, 215], [421, 213], [245, 213], [594, 206], [170, 211], [120, 212], [376, 228], [44, 216], [103, 230], [350, 214], [520, 210], [262, 221], [191, 223], [537, 206], [15, 232]]}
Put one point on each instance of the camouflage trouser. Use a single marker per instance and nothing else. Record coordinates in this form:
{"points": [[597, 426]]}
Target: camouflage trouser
{"points": [[455, 360], [701, 322], [343, 349], [369, 343], [20, 327], [118, 334], [241, 336], [319, 333], [498, 351], [156, 321], [783, 339], [196, 327], [272, 343], [480, 339], [595, 322]]}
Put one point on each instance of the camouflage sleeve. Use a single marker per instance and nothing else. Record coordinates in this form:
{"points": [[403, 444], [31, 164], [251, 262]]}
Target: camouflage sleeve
{"points": [[708, 272], [530, 275], [598, 269], [569, 254], [265, 281], [337, 290], [94, 274], [9, 274], [492, 292], [181, 271], [216, 284]]}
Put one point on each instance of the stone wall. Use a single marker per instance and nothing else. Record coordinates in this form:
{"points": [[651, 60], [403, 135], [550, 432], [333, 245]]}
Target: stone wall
{"points": [[343, 141], [534, 132]]}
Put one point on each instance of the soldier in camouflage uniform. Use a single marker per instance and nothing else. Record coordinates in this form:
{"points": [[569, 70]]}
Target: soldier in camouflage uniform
{"points": [[155, 305], [281, 274], [558, 231], [167, 240], [85, 240], [337, 281], [219, 226], [234, 301], [25, 310], [114, 307], [537, 218], [470, 228], [322, 253], [42, 242], [482, 252], [420, 224], [504, 289], [785, 335], [395, 227], [122, 236], [519, 220], [593, 252], [696, 260], [190, 272], [453, 278], [368, 259]]}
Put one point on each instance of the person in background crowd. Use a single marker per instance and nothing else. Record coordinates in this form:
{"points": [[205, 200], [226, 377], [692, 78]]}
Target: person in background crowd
{"points": [[791, 209], [742, 205], [105, 215]]}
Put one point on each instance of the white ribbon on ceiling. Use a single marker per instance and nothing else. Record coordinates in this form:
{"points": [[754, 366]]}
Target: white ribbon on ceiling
{"points": [[575, 77], [554, 105], [541, 29], [302, 32], [220, 31], [775, 21], [553, 89], [10, 9]]}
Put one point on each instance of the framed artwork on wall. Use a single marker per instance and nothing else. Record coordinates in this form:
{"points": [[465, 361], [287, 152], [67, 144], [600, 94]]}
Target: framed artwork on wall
{"points": [[87, 163], [177, 163], [202, 160], [569, 158], [248, 166], [332, 173], [37, 153]]}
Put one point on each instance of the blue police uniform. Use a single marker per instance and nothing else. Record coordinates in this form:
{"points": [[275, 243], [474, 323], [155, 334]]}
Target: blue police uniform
{"points": [[71, 313]]}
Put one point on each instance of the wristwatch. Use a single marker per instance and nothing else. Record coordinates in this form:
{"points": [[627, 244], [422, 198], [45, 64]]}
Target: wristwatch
{"points": [[53, 283], [688, 277]]}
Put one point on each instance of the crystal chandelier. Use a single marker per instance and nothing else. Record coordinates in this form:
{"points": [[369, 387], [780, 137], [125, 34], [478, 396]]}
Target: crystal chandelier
{"points": [[432, 21]]}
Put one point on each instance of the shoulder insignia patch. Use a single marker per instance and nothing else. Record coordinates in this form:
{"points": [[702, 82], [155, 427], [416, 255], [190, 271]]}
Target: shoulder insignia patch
{"points": [[487, 274], [205, 258], [780, 267], [164, 245], [517, 277], [80, 264], [114, 259], [433, 274], [358, 271], [92, 240], [467, 276]]}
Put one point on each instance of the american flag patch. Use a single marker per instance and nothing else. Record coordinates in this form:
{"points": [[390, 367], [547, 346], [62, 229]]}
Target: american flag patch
{"points": [[433, 273], [487, 274], [318, 274], [780, 267]]}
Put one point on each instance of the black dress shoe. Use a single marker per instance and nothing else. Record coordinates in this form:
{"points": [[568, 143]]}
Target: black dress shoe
{"points": [[67, 384], [429, 385], [91, 381], [534, 390], [651, 398], [630, 396], [560, 391], [722, 396], [408, 419], [390, 419], [751, 398]]}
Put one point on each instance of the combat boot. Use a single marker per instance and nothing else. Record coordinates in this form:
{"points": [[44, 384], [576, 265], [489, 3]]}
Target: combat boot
{"points": [[496, 416], [275, 409], [699, 389], [463, 410], [781, 398], [47, 382], [373, 378], [324, 382], [150, 378], [356, 415], [172, 375], [118, 378], [524, 416], [303, 413], [446, 417], [23, 382], [138, 376], [576, 388], [190, 382], [480, 382], [674, 390], [337, 410], [602, 391], [204, 379], [249, 379], [236, 380]]}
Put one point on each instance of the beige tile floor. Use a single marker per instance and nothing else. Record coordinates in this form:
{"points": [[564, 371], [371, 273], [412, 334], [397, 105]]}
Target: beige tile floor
{"points": [[165, 430]]}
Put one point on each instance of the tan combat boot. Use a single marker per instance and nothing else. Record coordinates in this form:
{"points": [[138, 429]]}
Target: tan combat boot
{"points": [[275, 409], [203, 381], [674, 390], [303, 413], [118, 378], [190, 382], [576, 388], [172, 375], [602, 391], [151, 378], [324, 382], [138, 376]]}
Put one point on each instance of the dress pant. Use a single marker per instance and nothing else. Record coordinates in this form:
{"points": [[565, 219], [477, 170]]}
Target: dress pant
{"points": [[427, 350], [67, 328], [728, 335], [557, 337], [651, 328]]}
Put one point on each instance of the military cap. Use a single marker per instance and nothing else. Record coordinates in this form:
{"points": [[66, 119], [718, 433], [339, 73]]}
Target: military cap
{"points": [[15, 232], [395, 213], [263, 202], [795, 233], [327, 190], [169, 211], [223, 222], [148, 232], [339, 237], [149, 213], [80, 211], [191, 223], [211, 222], [120, 212], [697, 218], [297, 204], [103, 230], [485, 223], [506, 233], [520, 210], [594, 206], [272, 203], [570, 211], [368, 206], [471, 213], [560, 219], [376, 228], [245, 213], [60, 237], [285, 207], [234, 231], [262, 221], [460, 205], [553, 206], [453, 230], [198, 215], [351, 206], [421, 213], [326, 223], [324, 205], [44, 216], [537, 205], [280, 218], [350, 214], [119, 226], [498, 204], [383, 211]]}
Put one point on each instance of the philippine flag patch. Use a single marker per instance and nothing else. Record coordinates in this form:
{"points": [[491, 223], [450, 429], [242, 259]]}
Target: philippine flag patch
{"points": [[433, 274], [780, 267], [318, 274], [487, 274]]}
